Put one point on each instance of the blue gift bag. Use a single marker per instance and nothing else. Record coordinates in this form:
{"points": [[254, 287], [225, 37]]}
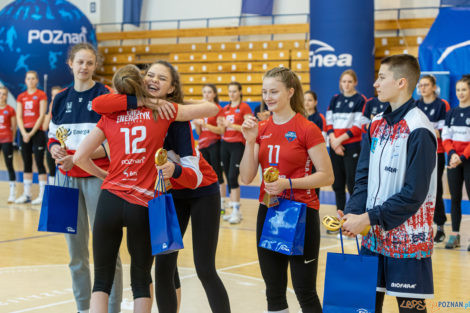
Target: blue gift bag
{"points": [[284, 227], [59, 209], [165, 233], [350, 282]]}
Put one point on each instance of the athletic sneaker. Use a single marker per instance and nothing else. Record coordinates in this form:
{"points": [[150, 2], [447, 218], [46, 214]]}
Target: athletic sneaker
{"points": [[37, 201], [454, 242], [226, 216], [440, 236], [12, 196], [23, 199], [235, 217], [345, 237]]}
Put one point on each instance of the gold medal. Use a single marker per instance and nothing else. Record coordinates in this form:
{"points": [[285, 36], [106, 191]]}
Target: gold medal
{"points": [[161, 157], [333, 223], [270, 175]]}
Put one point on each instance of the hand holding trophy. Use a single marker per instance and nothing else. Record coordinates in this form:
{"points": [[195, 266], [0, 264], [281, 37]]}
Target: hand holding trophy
{"points": [[270, 175], [161, 158], [62, 135], [333, 223]]}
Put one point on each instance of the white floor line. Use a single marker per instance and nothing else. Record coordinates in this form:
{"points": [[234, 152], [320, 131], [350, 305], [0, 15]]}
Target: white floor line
{"points": [[43, 306], [221, 270]]}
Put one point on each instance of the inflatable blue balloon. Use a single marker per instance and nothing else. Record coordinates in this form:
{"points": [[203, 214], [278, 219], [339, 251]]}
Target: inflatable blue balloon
{"points": [[36, 35]]}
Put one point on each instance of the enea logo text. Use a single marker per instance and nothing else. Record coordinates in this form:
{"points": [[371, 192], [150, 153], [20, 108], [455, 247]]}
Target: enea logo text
{"points": [[56, 36], [329, 58]]}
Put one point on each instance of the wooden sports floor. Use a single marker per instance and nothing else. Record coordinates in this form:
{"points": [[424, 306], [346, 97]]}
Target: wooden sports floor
{"points": [[34, 276]]}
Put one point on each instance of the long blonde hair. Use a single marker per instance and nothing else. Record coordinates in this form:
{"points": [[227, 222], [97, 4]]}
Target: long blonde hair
{"points": [[290, 80]]}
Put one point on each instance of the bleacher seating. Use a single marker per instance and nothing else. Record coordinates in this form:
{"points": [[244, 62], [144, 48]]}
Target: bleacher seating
{"points": [[243, 61]]}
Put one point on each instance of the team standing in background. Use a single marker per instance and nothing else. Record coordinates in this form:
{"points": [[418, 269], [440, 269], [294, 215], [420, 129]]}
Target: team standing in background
{"points": [[235, 142]]}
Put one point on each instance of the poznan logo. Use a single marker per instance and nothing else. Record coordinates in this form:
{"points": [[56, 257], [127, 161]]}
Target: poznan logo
{"points": [[329, 58], [56, 36]]}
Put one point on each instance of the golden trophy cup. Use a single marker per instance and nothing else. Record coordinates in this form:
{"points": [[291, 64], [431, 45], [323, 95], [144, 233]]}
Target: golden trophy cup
{"points": [[62, 135], [161, 157], [333, 223], [270, 175]]}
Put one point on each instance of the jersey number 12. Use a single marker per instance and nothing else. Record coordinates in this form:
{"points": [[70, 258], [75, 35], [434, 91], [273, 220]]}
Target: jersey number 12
{"points": [[133, 132]]}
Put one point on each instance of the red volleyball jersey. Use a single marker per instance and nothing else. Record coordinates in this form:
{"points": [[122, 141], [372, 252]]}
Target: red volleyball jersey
{"points": [[6, 134], [207, 138], [286, 147], [133, 137], [31, 106], [236, 115]]}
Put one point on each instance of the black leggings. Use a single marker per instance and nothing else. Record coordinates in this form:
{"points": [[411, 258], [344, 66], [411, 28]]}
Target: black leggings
{"points": [[112, 214], [7, 149], [344, 169], [440, 212], [212, 155], [456, 177], [231, 154], [50, 163], [36, 145], [205, 218], [405, 305], [303, 267]]}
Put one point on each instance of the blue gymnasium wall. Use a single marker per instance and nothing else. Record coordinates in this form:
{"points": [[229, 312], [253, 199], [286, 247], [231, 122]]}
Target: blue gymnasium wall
{"points": [[340, 39]]}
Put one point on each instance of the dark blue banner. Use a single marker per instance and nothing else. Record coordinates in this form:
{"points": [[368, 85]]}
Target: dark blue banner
{"points": [[261, 7], [455, 2], [341, 38], [447, 46], [131, 12]]}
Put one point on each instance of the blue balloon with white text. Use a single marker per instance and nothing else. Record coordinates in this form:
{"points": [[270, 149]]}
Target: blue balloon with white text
{"points": [[36, 35]]}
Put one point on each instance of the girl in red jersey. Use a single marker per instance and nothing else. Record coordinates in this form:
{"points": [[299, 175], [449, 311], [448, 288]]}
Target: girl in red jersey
{"points": [[7, 136], [71, 109], [344, 129], [129, 185], [30, 111], [209, 139], [288, 141], [456, 141], [233, 145], [435, 109]]}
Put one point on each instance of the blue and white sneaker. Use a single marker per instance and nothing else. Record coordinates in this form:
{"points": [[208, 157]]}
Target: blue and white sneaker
{"points": [[23, 199]]}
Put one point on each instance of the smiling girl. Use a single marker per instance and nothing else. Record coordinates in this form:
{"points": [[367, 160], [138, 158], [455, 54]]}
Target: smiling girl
{"points": [[288, 141], [71, 109]]}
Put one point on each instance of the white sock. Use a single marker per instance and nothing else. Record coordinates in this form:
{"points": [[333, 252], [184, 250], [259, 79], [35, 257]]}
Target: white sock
{"points": [[42, 186], [84, 311], [12, 188], [27, 187], [50, 180], [235, 206]]}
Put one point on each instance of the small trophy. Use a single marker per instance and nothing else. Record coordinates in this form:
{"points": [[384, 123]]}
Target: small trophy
{"points": [[270, 175], [160, 159], [62, 135], [333, 223]]}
